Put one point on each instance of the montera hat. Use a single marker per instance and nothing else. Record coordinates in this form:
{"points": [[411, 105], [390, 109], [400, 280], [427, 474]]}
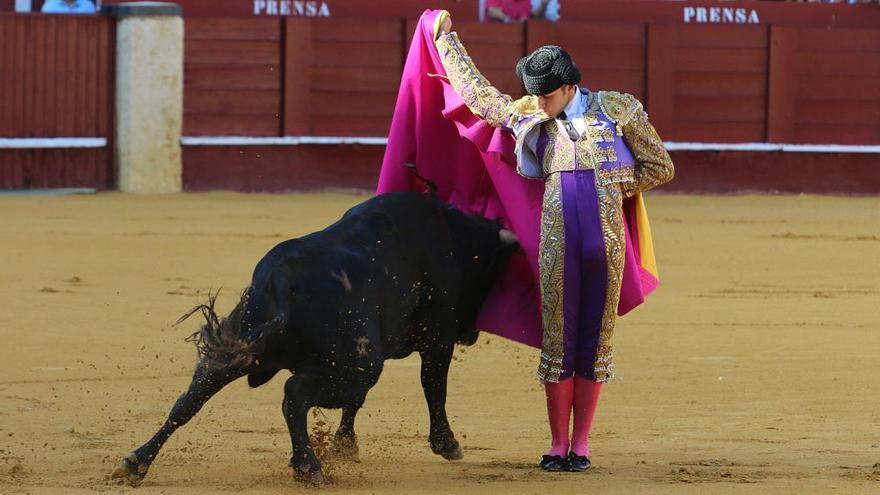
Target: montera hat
{"points": [[546, 69]]}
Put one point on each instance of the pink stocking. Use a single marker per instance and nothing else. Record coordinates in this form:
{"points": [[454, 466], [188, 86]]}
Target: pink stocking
{"points": [[586, 397], [559, 402]]}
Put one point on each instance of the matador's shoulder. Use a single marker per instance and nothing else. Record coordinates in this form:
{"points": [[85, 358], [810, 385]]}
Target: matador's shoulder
{"points": [[619, 107], [526, 106]]}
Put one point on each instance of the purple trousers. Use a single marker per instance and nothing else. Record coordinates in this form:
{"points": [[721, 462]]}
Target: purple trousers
{"points": [[585, 275]]}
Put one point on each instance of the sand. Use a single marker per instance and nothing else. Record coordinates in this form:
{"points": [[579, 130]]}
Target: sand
{"points": [[753, 369]]}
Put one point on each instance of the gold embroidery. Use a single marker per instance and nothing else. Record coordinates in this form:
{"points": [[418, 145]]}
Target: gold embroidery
{"points": [[525, 107], [560, 153], [619, 107], [600, 134], [610, 154], [653, 164], [551, 254], [624, 173], [611, 218], [483, 99]]}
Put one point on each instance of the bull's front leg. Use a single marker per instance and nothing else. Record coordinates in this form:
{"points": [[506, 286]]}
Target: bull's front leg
{"points": [[345, 440], [298, 399], [205, 383], [435, 368]]}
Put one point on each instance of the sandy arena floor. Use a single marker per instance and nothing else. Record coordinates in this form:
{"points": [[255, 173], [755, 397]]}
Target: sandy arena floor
{"points": [[754, 369]]}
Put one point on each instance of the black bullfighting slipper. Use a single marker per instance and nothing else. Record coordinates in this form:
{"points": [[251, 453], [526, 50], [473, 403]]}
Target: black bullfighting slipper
{"points": [[554, 463], [578, 463]]}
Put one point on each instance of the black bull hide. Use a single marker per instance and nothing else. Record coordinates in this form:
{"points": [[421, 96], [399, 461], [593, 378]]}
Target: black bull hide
{"points": [[399, 273]]}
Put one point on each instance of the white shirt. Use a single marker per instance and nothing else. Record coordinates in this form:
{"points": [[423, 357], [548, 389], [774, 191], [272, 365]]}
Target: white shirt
{"points": [[62, 7], [574, 112]]}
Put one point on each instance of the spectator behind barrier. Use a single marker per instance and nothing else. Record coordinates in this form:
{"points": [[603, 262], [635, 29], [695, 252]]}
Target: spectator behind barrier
{"points": [[522, 10], [68, 7]]}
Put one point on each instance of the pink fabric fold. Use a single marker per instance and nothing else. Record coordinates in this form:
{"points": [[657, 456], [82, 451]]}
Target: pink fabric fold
{"points": [[474, 167]]}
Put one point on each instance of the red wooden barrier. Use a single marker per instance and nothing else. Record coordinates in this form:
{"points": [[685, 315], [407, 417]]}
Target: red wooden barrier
{"points": [[233, 71], [56, 81], [708, 83], [342, 76]]}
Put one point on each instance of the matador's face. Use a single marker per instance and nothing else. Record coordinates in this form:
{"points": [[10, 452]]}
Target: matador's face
{"points": [[554, 103]]}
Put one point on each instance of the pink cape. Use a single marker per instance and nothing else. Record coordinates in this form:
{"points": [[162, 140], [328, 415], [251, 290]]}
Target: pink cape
{"points": [[473, 165]]}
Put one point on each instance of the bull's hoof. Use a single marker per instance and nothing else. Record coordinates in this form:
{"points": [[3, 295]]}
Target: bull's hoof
{"points": [[345, 447], [308, 475], [453, 454], [448, 449], [130, 471]]}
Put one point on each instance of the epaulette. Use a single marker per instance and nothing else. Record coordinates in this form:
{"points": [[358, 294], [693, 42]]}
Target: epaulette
{"points": [[619, 107], [524, 107]]}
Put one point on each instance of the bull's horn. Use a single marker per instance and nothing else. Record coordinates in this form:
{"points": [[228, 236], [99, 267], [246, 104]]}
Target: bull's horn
{"points": [[507, 237]]}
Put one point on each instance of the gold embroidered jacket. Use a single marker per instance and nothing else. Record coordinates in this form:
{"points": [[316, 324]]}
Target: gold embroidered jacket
{"points": [[652, 165]]}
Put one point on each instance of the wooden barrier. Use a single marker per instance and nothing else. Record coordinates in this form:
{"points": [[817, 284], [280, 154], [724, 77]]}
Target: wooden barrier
{"points": [[233, 72], [56, 81], [798, 74]]}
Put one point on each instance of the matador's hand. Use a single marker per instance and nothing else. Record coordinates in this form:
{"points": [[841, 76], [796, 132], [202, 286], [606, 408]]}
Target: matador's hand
{"points": [[443, 24]]}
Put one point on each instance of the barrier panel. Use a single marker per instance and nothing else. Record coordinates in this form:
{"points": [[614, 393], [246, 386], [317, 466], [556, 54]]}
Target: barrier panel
{"points": [[57, 82], [742, 73]]}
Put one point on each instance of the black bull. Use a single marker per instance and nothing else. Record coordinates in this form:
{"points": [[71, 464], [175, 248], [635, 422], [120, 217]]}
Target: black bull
{"points": [[399, 273]]}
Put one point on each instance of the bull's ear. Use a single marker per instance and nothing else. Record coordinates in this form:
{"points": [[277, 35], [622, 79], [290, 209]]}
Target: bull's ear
{"points": [[508, 238]]}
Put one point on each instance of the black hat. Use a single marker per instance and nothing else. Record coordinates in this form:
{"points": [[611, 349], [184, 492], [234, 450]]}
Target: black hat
{"points": [[546, 69]]}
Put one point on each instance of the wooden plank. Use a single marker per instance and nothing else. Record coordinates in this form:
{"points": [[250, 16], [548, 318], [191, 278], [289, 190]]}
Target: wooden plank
{"points": [[837, 134], [299, 55], [623, 81], [715, 36], [20, 82], [80, 86], [352, 126], [266, 29], [721, 59], [838, 88], [660, 81], [350, 54], [720, 108], [231, 52], [6, 60], [67, 80], [593, 57], [491, 33], [858, 40], [719, 84], [229, 125], [569, 34], [781, 80], [342, 104], [106, 80], [842, 63], [839, 112], [233, 102], [356, 30], [91, 81], [281, 168], [346, 78], [717, 132], [263, 76]]}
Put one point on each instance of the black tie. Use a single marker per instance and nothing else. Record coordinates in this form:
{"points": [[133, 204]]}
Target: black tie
{"points": [[569, 128]]}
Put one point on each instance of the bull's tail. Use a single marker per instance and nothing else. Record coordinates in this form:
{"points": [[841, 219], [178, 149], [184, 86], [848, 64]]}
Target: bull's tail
{"points": [[221, 343]]}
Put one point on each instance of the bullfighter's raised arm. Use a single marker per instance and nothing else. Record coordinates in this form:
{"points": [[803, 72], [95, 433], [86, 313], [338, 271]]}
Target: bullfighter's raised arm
{"points": [[484, 100]]}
